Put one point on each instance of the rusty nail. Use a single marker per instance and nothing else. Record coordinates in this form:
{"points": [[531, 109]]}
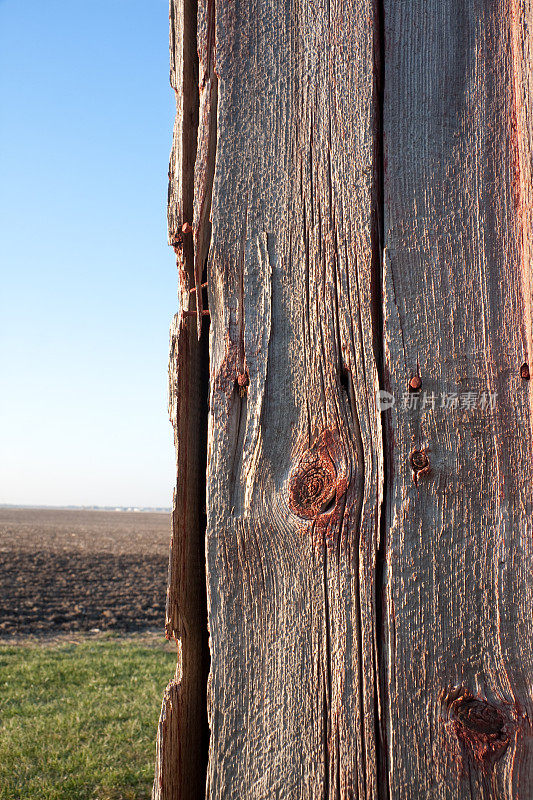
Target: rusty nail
{"points": [[243, 380], [419, 461], [191, 313], [186, 227], [524, 372], [415, 384]]}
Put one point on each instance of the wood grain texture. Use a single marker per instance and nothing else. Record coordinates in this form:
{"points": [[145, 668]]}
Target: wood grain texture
{"points": [[457, 311], [291, 592]]}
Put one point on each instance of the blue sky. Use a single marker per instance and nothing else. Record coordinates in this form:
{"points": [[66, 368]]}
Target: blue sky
{"points": [[88, 283]]}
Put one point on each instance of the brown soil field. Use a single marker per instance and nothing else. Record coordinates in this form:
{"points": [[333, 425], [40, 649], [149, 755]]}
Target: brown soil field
{"points": [[71, 571]]}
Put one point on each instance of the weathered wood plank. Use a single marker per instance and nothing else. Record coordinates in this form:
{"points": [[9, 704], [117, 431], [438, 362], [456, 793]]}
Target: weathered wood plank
{"points": [[183, 730], [349, 233], [184, 81], [294, 463], [457, 311], [168, 746]]}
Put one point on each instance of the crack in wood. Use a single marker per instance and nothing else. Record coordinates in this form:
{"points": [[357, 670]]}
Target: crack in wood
{"points": [[378, 321]]}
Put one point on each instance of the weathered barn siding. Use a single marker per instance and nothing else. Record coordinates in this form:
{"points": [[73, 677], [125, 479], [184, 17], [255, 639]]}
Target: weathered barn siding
{"points": [[352, 181]]}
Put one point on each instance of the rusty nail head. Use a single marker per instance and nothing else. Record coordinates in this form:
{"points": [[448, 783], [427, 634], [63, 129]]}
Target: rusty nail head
{"points": [[243, 380], [524, 372], [415, 384]]}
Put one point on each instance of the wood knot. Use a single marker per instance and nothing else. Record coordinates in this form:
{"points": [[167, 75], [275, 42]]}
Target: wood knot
{"points": [[479, 716], [314, 486], [419, 464], [524, 372], [482, 727]]}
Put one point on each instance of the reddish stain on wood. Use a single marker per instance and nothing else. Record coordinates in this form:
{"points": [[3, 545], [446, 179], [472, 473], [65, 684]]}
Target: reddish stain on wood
{"points": [[176, 241], [227, 372]]}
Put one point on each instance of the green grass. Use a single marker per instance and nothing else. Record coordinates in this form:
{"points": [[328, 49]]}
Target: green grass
{"points": [[78, 721]]}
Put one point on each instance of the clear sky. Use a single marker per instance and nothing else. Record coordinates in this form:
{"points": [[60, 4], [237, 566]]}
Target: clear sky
{"points": [[88, 283]]}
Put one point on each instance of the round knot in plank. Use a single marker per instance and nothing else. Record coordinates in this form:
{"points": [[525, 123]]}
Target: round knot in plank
{"points": [[419, 461], [479, 716], [314, 486], [482, 727]]}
